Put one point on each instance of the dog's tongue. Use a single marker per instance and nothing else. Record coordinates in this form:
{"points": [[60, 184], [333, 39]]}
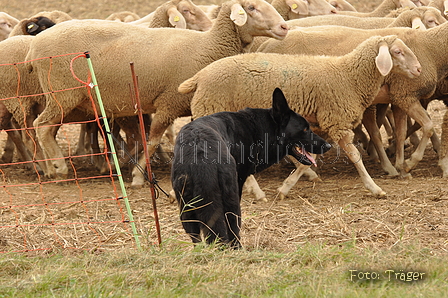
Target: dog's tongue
{"points": [[310, 158]]}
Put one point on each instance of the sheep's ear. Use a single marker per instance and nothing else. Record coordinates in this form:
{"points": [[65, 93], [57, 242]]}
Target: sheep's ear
{"points": [[384, 61], [298, 6], [176, 19], [280, 108], [417, 23], [31, 27], [238, 15]]}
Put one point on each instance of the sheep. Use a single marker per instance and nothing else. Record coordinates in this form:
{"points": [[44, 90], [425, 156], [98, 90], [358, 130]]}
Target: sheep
{"points": [[342, 5], [12, 50], [441, 5], [7, 23], [419, 17], [211, 10], [294, 9], [168, 56], [331, 92], [39, 22], [123, 16], [404, 95], [384, 8], [182, 14]]}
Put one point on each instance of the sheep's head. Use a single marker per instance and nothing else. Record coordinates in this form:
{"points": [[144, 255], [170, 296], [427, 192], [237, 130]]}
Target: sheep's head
{"points": [[258, 18], [300, 8], [407, 3], [195, 18], [342, 5], [394, 55], [431, 17], [184, 14], [36, 25]]}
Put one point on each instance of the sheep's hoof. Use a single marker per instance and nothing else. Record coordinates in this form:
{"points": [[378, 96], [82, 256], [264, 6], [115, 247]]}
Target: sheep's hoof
{"points": [[136, 186], [407, 176], [316, 180], [172, 197], [381, 195], [281, 196]]}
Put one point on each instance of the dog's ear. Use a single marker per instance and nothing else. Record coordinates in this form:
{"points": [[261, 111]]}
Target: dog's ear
{"points": [[280, 108]]}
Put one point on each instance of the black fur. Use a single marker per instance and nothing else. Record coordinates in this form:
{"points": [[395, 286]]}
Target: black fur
{"points": [[214, 155], [38, 24]]}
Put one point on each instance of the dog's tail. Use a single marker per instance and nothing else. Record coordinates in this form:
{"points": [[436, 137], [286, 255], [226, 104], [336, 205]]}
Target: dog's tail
{"points": [[188, 86]]}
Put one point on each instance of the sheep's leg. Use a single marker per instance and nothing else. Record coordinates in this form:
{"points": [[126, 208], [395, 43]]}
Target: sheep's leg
{"points": [[292, 179], [8, 150], [400, 136], [370, 123], [434, 138], [83, 145], [419, 114], [443, 152], [158, 126], [346, 143], [251, 185], [56, 165]]}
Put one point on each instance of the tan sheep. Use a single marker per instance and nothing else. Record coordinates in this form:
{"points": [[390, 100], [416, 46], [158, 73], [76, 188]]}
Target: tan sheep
{"points": [[182, 14], [294, 9], [428, 45], [441, 5], [384, 8], [123, 16], [7, 23], [342, 5], [12, 50], [53, 17], [332, 92], [423, 17], [163, 57]]}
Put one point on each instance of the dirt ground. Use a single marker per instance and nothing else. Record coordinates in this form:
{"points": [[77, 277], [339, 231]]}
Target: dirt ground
{"points": [[36, 215]]}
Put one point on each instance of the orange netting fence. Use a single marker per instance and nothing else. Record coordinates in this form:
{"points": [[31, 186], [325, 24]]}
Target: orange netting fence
{"points": [[86, 210]]}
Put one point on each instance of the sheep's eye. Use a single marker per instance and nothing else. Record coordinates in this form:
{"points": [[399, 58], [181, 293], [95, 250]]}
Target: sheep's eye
{"points": [[398, 52], [251, 7]]}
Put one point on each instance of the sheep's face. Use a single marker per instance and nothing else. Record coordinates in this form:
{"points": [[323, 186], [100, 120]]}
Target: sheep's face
{"points": [[407, 3], [261, 19], [300, 8], [432, 17], [404, 60], [195, 18]]}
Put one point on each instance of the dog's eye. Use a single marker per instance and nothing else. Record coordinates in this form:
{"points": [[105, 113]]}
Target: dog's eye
{"points": [[305, 130]]}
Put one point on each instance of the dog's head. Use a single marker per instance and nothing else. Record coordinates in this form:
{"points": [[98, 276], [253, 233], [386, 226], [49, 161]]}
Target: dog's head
{"points": [[295, 133]]}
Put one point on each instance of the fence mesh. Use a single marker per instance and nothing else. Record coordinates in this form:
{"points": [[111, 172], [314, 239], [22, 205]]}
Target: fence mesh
{"points": [[85, 210]]}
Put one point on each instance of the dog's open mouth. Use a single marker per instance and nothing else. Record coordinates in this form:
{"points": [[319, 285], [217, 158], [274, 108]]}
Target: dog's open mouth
{"points": [[304, 157]]}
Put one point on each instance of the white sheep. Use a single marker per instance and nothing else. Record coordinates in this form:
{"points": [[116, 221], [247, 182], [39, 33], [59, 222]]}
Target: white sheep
{"points": [[419, 17], [182, 14], [12, 50], [123, 16], [39, 22], [332, 92], [294, 9], [441, 5], [7, 23], [429, 46], [384, 8], [342, 5], [163, 57]]}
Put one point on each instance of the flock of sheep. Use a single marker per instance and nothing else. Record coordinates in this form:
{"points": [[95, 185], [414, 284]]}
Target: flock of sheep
{"points": [[339, 68]]}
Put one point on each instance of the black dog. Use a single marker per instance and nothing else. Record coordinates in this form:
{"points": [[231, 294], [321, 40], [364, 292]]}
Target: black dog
{"points": [[214, 155]]}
